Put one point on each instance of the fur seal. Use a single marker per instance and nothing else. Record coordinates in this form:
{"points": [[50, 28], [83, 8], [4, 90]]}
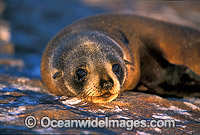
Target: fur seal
{"points": [[98, 57]]}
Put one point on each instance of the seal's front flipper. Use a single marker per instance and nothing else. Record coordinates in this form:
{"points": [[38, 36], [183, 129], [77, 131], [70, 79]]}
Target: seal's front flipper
{"points": [[162, 77], [178, 81], [183, 82]]}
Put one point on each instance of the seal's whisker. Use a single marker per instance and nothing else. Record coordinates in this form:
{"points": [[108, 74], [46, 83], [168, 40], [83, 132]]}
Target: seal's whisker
{"points": [[87, 92]]}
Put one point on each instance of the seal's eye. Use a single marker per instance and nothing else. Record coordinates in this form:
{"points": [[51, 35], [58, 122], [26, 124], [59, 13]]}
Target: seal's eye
{"points": [[116, 68], [80, 74]]}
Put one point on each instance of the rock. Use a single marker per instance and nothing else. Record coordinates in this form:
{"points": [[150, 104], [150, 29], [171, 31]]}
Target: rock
{"points": [[12, 63], [4, 31], [22, 97], [168, 11], [6, 48]]}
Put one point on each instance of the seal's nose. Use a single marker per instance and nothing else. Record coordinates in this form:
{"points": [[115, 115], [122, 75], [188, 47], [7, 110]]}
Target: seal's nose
{"points": [[106, 84]]}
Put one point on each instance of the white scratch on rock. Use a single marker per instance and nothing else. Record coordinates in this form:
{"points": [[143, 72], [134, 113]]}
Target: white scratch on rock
{"points": [[100, 110], [25, 87], [6, 117], [122, 117], [158, 130], [2, 86], [191, 132], [164, 116], [182, 126], [192, 106], [84, 104], [72, 101], [45, 131], [173, 108], [18, 110], [23, 79], [117, 109], [10, 115], [6, 93], [158, 97], [142, 133], [97, 111], [86, 133]]}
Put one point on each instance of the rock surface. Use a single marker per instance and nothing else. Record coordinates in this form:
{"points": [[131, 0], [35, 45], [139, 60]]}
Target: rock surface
{"points": [[25, 29], [22, 97]]}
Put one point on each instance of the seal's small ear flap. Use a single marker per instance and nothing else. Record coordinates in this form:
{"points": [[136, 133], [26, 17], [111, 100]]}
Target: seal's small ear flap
{"points": [[127, 62], [57, 75]]}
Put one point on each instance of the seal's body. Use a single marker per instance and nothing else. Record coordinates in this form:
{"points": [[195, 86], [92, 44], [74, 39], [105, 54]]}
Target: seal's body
{"points": [[98, 57]]}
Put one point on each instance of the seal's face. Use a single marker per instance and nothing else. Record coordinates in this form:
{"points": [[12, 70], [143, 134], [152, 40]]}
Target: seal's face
{"points": [[92, 67]]}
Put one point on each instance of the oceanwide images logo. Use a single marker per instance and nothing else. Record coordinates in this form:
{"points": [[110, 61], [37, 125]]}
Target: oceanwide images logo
{"points": [[46, 122]]}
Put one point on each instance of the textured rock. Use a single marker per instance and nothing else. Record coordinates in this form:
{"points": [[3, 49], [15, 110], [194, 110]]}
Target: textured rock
{"points": [[21, 97]]}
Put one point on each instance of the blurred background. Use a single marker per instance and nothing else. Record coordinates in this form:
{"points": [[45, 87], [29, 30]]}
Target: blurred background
{"points": [[26, 26]]}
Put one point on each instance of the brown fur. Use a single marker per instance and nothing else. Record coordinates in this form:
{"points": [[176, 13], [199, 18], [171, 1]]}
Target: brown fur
{"points": [[162, 56]]}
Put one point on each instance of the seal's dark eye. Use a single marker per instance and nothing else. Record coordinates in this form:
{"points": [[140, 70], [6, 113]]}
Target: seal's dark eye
{"points": [[80, 74], [116, 68]]}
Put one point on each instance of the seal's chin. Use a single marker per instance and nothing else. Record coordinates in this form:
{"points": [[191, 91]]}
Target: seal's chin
{"points": [[106, 97]]}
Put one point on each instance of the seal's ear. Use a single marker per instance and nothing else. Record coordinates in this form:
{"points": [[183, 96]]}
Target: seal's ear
{"points": [[57, 75], [128, 63]]}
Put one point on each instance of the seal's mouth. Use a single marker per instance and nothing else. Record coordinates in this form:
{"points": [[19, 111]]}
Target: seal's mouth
{"points": [[105, 97]]}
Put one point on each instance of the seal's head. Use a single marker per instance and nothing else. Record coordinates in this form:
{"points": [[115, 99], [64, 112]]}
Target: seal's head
{"points": [[89, 65]]}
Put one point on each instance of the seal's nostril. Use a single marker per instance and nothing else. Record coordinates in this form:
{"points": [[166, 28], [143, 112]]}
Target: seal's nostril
{"points": [[107, 85]]}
